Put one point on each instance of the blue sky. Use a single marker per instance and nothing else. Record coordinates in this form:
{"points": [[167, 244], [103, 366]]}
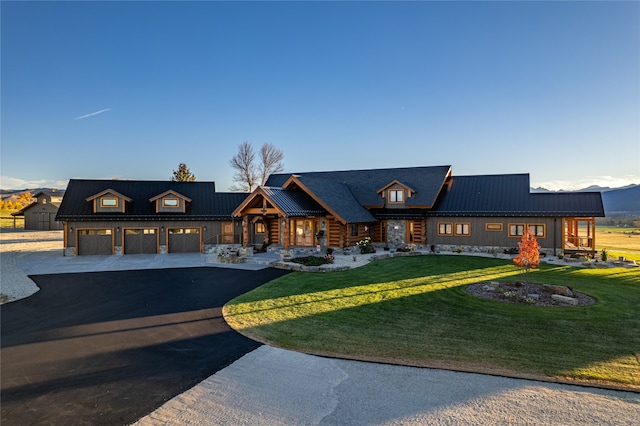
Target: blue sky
{"points": [[129, 90]]}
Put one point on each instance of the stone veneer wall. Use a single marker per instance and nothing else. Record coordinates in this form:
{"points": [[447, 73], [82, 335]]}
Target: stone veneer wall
{"points": [[396, 233]]}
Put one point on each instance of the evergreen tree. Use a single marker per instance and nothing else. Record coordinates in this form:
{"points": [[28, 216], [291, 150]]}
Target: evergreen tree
{"points": [[183, 174]]}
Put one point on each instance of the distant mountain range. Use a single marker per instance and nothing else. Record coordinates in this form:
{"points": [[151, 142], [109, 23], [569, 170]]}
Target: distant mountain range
{"points": [[615, 200]]}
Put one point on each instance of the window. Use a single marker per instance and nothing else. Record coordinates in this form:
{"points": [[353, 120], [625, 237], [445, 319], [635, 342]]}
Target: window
{"points": [[169, 202], [516, 229], [463, 229], [396, 196], [445, 228], [260, 228], [493, 227], [537, 229], [354, 229], [109, 202], [94, 231]]}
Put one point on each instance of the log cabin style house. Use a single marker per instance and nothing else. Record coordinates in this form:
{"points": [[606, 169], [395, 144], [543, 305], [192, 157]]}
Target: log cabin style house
{"points": [[421, 207]]}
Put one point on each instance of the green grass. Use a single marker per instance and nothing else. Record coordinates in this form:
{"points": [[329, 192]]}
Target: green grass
{"points": [[6, 220], [415, 311]]}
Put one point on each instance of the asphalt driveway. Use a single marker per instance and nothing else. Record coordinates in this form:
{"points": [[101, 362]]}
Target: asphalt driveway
{"points": [[110, 347]]}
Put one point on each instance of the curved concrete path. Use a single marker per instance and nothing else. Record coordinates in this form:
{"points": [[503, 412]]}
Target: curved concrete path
{"points": [[272, 386]]}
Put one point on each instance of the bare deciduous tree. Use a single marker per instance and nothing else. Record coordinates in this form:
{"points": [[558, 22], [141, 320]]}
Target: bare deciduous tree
{"points": [[249, 174], [246, 175], [271, 161]]}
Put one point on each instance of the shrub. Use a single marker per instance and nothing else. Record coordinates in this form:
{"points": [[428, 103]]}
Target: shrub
{"points": [[313, 260], [366, 246]]}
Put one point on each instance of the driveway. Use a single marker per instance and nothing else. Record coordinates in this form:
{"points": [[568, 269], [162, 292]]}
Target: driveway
{"points": [[110, 347]]}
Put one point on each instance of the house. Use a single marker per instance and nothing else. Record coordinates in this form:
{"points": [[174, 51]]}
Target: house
{"points": [[40, 215], [131, 217], [422, 206], [396, 207]]}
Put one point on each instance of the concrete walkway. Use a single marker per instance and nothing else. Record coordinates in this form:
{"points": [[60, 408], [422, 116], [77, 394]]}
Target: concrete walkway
{"points": [[272, 386]]}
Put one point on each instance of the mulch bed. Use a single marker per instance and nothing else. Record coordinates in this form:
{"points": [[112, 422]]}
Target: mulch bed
{"points": [[521, 293]]}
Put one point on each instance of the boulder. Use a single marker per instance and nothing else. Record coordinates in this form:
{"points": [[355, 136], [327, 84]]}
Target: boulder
{"points": [[564, 299], [559, 289]]}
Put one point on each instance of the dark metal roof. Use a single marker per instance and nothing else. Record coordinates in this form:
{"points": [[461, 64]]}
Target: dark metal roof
{"points": [[338, 197], [508, 195], [347, 193], [364, 184], [205, 204], [293, 202]]}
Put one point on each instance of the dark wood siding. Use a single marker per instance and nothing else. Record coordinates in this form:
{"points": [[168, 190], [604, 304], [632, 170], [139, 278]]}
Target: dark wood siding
{"points": [[479, 235]]}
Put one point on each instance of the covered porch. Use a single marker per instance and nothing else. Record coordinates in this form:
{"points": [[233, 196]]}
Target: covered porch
{"points": [[579, 235], [275, 216]]}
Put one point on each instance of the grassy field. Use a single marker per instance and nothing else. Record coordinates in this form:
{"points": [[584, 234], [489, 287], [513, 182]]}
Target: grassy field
{"points": [[415, 311], [619, 241], [6, 220]]}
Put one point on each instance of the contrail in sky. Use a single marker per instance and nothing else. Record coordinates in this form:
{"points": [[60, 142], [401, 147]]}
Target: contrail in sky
{"points": [[92, 114]]}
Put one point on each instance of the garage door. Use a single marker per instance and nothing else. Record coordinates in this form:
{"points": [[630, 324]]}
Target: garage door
{"points": [[141, 241], [184, 240], [95, 241]]}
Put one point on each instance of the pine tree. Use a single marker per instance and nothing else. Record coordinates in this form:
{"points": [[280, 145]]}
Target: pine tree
{"points": [[183, 174]]}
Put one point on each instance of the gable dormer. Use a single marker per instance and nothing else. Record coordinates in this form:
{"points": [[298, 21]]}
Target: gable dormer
{"points": [[109, 201], [170, 202], [395, 193]]}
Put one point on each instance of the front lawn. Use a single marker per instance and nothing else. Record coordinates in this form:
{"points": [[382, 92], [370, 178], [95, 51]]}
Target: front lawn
{"points": [[415, 311]]}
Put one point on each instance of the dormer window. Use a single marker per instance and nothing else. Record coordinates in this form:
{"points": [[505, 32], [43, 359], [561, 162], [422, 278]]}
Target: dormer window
{"points": [[108, 202], [396, 196], [170, 202], [395, 193]]}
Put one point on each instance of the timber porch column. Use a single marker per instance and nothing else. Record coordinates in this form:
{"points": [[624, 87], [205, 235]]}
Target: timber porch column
{"points": [[245, 231], [285, 237]]}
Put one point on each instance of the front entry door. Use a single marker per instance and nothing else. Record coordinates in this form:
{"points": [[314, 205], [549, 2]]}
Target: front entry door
{"points": [[227, 233], [303, 232]]}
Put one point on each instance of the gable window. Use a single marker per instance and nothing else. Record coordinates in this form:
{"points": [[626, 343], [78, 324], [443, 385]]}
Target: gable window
{"points": [[169, 202], [463, 229], [516, 229], [109, 202], [396, 196], [445, 228]]}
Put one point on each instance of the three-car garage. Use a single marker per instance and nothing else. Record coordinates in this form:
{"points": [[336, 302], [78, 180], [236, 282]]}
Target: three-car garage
{"points": [[103, 241]]}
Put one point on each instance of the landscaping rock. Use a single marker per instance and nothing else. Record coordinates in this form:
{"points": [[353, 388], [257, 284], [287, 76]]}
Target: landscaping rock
{"points": [[559, 289], [565, 299]]}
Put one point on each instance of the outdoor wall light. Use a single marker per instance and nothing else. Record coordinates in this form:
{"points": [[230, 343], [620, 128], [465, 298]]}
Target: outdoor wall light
{"points": [[205, 229]]}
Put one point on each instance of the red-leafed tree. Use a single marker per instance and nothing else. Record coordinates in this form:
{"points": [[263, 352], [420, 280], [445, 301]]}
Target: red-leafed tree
{"points": [[529, 256]]}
